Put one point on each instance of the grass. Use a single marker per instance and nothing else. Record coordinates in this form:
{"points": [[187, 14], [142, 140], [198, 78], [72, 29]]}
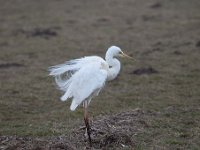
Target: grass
{"points": [[29, 101]]}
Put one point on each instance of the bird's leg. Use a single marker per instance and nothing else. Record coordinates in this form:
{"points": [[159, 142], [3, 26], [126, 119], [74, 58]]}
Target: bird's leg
{"points": [[87, 122]]}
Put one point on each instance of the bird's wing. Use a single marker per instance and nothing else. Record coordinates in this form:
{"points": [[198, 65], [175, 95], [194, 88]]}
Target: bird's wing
{"points": [[86, 82], [72, 65], [64, 72]]}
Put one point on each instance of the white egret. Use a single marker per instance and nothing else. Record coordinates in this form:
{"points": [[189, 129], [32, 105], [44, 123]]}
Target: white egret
{"points": [[82, 79]]}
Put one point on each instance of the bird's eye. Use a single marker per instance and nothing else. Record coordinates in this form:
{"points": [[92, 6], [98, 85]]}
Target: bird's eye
{"points": [[120, 52]]}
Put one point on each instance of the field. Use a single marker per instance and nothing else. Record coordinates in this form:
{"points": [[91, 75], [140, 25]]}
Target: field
{"points": [[153, 104]]}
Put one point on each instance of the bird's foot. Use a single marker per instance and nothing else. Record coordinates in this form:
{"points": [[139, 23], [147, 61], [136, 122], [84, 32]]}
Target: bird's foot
{"points": [[88, 135], [87, 132], [82, 128]]}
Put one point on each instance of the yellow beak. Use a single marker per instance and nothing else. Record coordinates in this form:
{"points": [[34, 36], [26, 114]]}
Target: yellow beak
{"points": [[125, 55]]}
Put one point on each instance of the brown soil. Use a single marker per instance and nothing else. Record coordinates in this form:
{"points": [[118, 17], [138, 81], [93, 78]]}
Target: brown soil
{"points": [[115, 131]]}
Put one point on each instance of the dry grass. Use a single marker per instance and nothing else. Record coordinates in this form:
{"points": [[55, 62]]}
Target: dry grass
{"points": [[163, 35]]}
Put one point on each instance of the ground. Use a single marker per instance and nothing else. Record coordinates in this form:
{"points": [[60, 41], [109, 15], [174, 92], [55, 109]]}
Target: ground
{"points": [[153, 104]]}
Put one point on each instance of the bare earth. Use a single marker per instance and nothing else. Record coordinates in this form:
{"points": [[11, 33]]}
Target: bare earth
{"points": [[153, 104]]}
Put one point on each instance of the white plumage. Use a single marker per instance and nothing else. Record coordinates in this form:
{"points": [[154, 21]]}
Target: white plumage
{"points": [[83, 78]]}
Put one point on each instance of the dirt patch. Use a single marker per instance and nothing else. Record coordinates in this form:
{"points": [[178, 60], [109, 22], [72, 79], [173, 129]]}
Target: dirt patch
{"points": [[177, 53], [10, 65], [115, 131], [156, 5], [45, 33], [198, 44], [141, 71]]}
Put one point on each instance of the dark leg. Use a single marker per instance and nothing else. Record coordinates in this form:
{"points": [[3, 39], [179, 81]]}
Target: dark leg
{"points": [[87, 122]]}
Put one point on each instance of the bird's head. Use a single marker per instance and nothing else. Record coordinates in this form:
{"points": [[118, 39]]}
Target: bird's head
{"points": [[115, 51]]}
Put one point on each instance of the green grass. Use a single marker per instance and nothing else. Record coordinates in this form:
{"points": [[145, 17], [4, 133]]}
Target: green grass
{"points": [[29, 101]]}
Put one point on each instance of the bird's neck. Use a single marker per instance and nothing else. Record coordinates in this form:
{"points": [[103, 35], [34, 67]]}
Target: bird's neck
{"points": [[114, 67]]}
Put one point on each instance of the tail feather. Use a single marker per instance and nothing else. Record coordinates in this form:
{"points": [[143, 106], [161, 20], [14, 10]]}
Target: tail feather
{"points": [[63, 73], [61, 69], [66, 96], [73, 105], [63, 84]]}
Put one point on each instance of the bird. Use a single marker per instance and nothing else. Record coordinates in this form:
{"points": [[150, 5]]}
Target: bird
{"points": [[83, 78]]}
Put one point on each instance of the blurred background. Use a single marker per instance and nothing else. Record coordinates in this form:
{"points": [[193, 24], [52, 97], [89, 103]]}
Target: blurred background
{"points": [[162, 35]]}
